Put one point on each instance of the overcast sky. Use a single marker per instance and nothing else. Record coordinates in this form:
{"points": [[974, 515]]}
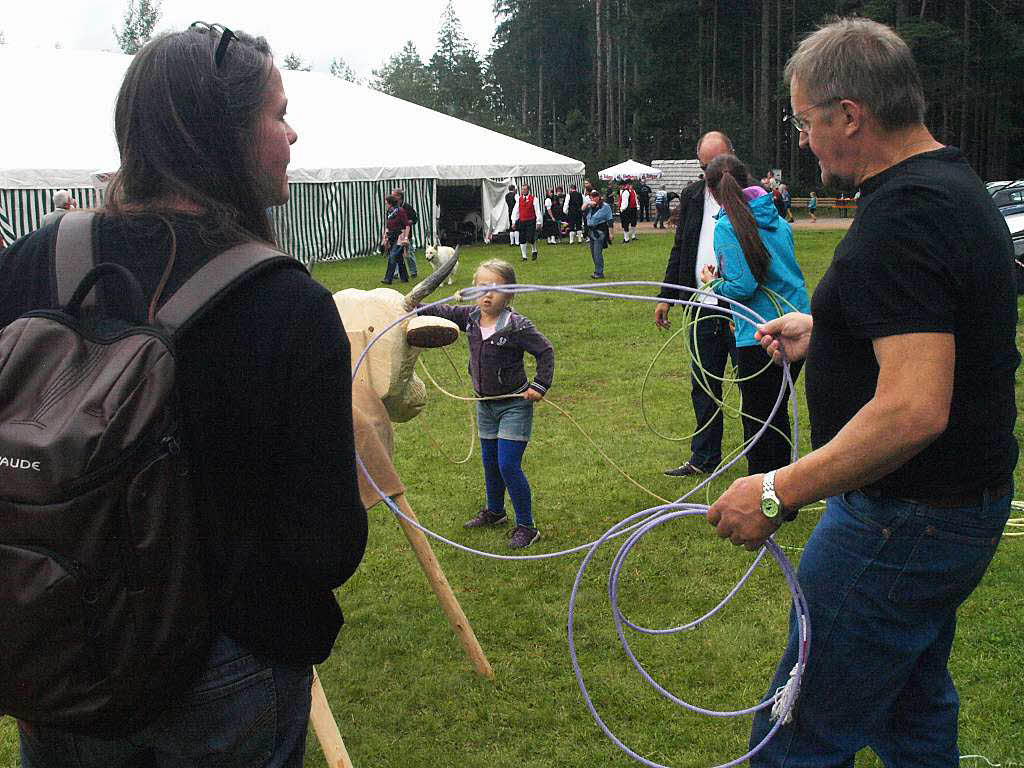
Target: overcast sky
{"points": [[364, 33]]}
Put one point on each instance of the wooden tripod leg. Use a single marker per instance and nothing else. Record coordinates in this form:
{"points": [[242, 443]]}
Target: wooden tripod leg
{"points": [[326, 728], [443, 590]]}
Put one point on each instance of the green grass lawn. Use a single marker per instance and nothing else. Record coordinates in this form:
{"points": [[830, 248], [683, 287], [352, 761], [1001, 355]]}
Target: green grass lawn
{"points": [[403, 692]]}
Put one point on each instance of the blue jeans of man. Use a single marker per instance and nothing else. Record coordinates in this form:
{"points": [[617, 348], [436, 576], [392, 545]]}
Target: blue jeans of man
{"points": [[883, 579], [711, 341], [243, 711], [410, 257], [597, 251]]}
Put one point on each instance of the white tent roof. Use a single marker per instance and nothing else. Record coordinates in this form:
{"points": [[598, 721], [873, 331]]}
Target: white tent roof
{"points": [[629, 170], [61, 131]]}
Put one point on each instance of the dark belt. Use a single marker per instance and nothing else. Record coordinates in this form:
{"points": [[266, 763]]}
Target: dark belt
{"points": [[971, 499]]}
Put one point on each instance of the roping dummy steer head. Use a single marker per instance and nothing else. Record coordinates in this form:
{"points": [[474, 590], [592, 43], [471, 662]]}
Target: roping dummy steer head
{"points": [[389, 366]]}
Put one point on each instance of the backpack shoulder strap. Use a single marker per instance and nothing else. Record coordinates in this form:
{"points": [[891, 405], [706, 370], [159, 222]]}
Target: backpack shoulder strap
{"points": [[72, 254], [214, 280]]}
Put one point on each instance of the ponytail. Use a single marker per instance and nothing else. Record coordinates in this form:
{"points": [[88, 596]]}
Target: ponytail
{"points": [[726, 177]]}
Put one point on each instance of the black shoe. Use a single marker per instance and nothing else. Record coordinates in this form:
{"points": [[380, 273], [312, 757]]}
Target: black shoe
{"points": [[534, 256], [486, 518], [386, 282], [686, 470], [522, 537], [596, 276]]}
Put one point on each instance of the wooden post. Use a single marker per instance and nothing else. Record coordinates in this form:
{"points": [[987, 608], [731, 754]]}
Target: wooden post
{"points": [[438, 583], [326, 728]]}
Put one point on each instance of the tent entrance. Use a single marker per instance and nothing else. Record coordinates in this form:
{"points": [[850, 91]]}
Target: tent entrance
{"points": [[460, 222]]}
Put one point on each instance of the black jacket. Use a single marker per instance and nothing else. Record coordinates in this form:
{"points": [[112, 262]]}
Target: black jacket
{"points": [[496, 364], [274, 474], [682, 260]]}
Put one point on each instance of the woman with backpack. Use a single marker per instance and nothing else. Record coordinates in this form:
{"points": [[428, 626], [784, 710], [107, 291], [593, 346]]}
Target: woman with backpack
{"points": [[204, 147]]}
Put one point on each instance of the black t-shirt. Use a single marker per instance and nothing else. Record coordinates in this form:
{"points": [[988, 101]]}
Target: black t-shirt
{"points": [[927, 252], [264, 383], [411, 213]]}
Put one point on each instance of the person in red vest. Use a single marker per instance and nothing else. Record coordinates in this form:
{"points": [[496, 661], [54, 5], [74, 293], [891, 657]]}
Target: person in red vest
{"points": [[527, 213], [628, 210]]}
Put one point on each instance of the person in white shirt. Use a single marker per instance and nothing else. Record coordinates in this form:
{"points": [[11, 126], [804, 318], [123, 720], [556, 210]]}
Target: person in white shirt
{"points": [[712, 339]]}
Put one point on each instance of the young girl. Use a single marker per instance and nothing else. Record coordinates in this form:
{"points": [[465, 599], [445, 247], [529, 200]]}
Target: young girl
{"points": [[497, 339], [754, 247]]}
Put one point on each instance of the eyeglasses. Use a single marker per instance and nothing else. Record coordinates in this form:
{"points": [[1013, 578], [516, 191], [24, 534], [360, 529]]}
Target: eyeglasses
{"points": [[799, 123], [226, 36]]}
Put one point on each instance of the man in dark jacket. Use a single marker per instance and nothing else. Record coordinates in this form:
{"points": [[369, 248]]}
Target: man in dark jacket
{"points": [[410, 212], [711, 341]]}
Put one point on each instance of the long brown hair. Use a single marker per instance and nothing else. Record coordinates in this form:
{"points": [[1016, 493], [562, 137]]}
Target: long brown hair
{"points": [[726, 177], [186, 120]]}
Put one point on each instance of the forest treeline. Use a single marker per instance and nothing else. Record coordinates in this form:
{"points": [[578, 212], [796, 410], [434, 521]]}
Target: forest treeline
{"points": [[602, 80]]}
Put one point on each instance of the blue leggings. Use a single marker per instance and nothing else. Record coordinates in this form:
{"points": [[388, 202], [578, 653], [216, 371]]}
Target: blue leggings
{"points": [[503, 469]]}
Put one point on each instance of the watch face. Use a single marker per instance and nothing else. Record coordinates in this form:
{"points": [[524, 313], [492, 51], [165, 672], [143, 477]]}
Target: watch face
{"points": [[769, 507]]}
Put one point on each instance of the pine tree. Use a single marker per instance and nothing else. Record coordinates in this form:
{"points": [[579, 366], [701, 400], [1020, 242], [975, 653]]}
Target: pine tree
{"points": [[405, 77], [137, 26], [295, 62], [339, 68]]}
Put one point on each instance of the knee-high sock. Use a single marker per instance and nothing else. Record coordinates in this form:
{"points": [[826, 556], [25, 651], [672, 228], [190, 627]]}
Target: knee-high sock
{"points": [[524, 249], [510, 461], [513, 237], [492, 476]]}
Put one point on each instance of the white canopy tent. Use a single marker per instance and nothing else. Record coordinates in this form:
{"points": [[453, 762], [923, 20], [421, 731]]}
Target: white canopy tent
{"points": [[354, 146], [629, 170]]}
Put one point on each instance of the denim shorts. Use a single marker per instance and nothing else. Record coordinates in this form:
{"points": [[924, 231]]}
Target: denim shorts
{"points": [[509, 419]]}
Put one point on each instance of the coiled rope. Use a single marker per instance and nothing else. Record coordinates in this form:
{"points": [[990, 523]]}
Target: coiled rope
{"points": [[639, 524]]}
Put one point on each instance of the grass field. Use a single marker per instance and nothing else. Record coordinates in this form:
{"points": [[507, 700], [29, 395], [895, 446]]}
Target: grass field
{"points": [[403, 692]]}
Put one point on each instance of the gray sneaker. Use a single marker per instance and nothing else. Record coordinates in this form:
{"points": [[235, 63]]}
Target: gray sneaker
{"points": [[687, 469], [522, 536], [485, 518]]}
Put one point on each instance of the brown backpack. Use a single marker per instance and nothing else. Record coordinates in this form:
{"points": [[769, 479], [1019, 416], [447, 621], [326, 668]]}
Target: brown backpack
{"points": [[103, 603]]}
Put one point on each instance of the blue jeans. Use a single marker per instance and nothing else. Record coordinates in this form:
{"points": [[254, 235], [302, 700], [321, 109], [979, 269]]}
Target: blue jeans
{"points": [[410, 258], [714, 345], [883, 579], [396, 263], [597, 251], [243, 711]]}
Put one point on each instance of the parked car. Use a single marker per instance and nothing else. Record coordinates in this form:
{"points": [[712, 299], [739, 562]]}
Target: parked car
{"points": [[1010, 193], [1015, 223]]}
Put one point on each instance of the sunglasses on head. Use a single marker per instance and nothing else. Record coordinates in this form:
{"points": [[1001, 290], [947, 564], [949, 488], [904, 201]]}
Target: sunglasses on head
{"points": [[226, 36]]}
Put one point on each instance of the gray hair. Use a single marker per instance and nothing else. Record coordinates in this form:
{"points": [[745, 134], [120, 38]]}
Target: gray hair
{"points": [[500, 267], [60, 198], [863, 61]]}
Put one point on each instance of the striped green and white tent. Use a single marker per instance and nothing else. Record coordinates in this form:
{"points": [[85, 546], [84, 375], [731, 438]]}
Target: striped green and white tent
{"points": [[354, 146]]}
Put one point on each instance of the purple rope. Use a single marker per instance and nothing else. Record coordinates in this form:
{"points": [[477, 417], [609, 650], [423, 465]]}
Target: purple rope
{"points": [[637, 525]]}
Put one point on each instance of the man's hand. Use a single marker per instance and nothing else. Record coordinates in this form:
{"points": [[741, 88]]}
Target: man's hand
{"points": [[789, 335], [737, 514], [532, 394], [661, 315]]}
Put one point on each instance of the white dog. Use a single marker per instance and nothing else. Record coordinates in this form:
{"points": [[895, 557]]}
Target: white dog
{"points": [[439, 254]]}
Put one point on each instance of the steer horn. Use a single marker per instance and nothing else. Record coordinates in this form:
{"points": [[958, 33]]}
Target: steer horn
{"points": [[421, 290]]}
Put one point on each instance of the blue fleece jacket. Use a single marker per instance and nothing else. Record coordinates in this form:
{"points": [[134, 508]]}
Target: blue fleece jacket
{"points": [[784, 275]]}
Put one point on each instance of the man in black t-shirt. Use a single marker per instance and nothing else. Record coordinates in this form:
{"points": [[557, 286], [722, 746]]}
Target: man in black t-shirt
{"points": [[911, 359]]}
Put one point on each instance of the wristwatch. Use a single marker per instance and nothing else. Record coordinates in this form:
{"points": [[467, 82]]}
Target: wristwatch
{"points": [[770, 504]]}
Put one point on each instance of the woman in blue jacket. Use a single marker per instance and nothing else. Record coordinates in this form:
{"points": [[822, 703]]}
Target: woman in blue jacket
{"points": [[599, 217], [756, 266]]}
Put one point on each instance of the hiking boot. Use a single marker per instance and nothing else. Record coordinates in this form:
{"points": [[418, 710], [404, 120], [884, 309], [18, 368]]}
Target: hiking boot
{"points": [[522, 536], [686, 470], [486, 518]]}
